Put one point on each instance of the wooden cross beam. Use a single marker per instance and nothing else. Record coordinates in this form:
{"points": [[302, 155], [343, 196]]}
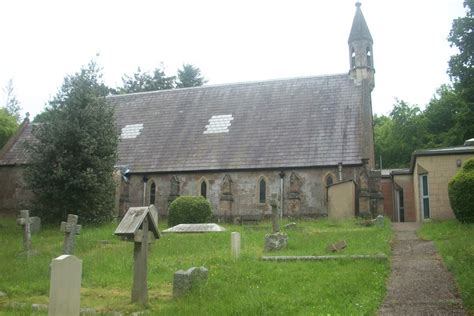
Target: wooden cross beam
{"points": [[25, 221], [71, 229]]}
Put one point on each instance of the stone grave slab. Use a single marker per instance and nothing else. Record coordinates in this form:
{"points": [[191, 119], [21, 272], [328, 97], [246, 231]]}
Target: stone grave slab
{"points": [[195, 228]]}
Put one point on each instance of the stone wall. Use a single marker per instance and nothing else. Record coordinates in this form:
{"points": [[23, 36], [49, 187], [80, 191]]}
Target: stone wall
{"points": [[304, 190], [13, 193]]}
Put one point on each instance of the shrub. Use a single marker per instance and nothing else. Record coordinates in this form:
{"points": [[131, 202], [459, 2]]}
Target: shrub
{"points": [[189, 209], [461, 193]]}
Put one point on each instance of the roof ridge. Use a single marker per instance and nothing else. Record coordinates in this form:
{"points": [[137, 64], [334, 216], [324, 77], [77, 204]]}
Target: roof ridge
{"points": [[231, 84]]}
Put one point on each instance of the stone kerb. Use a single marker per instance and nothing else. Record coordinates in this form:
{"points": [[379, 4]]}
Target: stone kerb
{"points": [[65, 286]]}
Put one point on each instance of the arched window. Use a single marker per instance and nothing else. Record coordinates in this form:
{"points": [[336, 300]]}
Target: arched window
{"points": [[353, 58], [204, 189], [262, 194], [329, 180], [152, 193], [369, 57]]}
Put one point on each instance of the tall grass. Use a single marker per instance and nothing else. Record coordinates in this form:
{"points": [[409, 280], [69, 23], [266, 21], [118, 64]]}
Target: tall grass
{"points": [[244, 286]]}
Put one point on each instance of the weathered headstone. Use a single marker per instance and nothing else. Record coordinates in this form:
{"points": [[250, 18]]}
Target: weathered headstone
{"points": [[140, 226], [337, 246], [65, 287], [275, 217], [183, 281], [235, 244], [35, 226], [71, 229], [25, 221], [277, 240], [291, 225], [379, 221]]}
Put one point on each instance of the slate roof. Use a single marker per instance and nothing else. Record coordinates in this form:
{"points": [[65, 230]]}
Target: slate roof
{"points": [[297, 122], [17, 154]]}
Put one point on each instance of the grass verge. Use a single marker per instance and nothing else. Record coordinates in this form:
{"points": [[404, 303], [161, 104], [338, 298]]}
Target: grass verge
{"points": [[454, 241]]}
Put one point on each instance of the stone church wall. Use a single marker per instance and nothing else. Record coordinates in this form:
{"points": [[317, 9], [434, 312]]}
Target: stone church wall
{"points": [[13, 193], [304, 190]]}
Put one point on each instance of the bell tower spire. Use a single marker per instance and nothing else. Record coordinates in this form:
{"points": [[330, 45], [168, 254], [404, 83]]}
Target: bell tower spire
{"points": [[360, 50]]}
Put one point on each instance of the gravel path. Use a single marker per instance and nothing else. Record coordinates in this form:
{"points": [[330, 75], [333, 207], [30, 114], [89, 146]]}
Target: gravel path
{"points": [[419, 284]]}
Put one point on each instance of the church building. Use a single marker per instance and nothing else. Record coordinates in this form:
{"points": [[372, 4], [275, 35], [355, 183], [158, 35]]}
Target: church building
{"points": [[241, 145]]}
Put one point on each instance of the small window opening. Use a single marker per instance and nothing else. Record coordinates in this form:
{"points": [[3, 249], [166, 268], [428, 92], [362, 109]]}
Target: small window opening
{"points": [[353, 58], [262, 191], [369, 57], [329, 181], [152, 193], [204, 189]]}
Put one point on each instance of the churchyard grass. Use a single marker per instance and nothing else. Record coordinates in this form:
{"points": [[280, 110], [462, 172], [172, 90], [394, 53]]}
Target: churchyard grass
{"points": [[454, 241], [245, 286]]}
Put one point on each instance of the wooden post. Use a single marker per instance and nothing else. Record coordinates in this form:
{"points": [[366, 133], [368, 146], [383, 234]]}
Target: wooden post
{"points": [[25, 221], [140, 254], [71, 229]]}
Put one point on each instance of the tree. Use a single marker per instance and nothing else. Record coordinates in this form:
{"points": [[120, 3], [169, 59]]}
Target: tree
{"points": [[73, 159], [146, 81], [189, 76], [12, 105], [8, 126]]}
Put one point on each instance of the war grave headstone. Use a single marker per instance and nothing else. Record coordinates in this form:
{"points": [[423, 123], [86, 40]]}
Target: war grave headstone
{"points": [[65, 286], [139, 225], [70, 230], [195, 228], [277, 240], [35, 225], [25, 220], [235, 244]]}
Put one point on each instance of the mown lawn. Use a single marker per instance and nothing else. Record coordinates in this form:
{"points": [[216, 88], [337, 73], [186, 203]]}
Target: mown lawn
{"points": [[247, 286], [455, 243]]}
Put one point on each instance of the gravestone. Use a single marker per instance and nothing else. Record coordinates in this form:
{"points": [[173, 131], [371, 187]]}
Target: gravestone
{"points": [[235, 244], [140, 225], [183, 281], [277, 240], [195, 228], [25, 220], [340, 245], [35, 226], [65, 286], [379, 220], [71, 229]]}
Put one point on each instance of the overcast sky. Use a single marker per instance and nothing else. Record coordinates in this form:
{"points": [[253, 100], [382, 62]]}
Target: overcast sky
{"points": [[229, 40]]}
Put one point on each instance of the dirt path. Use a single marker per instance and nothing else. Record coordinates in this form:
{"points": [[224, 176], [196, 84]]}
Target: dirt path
{"points": [[419, 283]]}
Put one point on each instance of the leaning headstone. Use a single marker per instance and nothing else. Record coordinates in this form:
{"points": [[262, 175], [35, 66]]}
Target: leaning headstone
{"points": [[70, 230], [35, 225], [65, 287], [25, 221], [235, 244], [183, 281], [337, 246], [379, 221]]}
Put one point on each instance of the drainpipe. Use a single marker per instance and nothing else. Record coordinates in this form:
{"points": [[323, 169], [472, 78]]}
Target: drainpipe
{"points": [[145, 180], [339, 166], [282, 175]]}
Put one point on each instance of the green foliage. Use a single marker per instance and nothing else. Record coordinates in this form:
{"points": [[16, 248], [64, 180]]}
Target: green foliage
{"points": [[8, 126], [247, 286], [146, 81], [75, 152], [12, 105], [461, 193], [189, 209], [189, 76], [453, 240]]}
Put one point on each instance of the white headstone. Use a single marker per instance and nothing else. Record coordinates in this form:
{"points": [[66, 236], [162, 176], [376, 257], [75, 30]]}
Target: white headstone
{"points": [[65, 286], [235, 244]]}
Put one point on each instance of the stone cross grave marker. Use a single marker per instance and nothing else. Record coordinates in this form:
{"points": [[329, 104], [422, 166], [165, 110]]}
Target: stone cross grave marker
{"points": [[71, 229], [235, 244], [140, 225], [25, 221], [275, 217], [65, 286]]}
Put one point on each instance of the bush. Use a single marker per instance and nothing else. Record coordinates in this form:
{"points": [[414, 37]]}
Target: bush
{"points": [[461, 193], [189, 210]]}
